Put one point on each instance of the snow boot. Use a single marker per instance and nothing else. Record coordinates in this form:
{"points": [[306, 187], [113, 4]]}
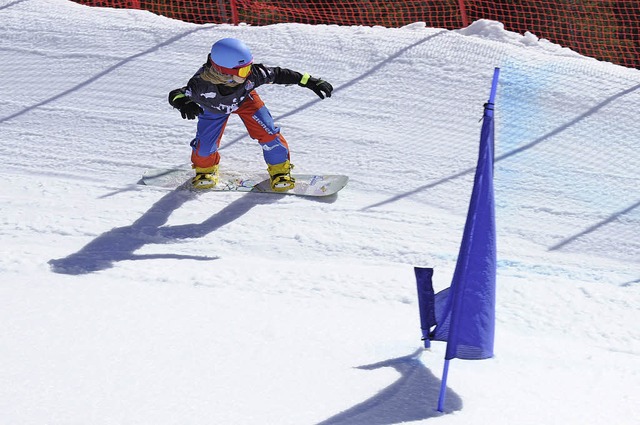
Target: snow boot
{"points": [[205, 178], [281, 179]]}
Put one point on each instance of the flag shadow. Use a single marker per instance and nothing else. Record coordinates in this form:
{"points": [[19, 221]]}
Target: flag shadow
{"points": [[83, 84], [613, 217], [413, 397], [120, 243]]}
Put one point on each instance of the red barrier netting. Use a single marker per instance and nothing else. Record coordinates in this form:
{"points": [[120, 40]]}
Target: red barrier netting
{"points": [[603, 29]]}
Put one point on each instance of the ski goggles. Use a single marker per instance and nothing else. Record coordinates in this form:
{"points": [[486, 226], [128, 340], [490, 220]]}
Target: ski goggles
{"points": [[241, 71]]}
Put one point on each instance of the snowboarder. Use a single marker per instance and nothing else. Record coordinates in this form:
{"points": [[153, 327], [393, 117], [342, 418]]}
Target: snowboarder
{"points": [[226, 85]]}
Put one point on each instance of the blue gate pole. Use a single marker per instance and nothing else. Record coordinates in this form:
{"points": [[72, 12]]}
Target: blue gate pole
{"points": [[445, 371], [443, 386]]}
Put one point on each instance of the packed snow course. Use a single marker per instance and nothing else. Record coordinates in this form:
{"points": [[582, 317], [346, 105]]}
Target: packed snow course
{"points": [[124, 304]]}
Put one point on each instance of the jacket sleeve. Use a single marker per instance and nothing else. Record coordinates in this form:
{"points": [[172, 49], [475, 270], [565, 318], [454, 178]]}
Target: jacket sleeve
{"points": [[179, 97], [275, 75], [286, 76]]}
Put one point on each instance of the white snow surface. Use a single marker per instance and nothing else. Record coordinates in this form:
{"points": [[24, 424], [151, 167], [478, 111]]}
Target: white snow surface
{"points": [[124, 304]]}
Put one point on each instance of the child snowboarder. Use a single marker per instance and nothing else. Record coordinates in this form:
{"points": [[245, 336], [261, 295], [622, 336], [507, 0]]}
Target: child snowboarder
{"points": [[226, 85]]}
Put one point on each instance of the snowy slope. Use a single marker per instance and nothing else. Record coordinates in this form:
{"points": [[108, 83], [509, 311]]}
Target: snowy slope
{"points": [[121, 304]]}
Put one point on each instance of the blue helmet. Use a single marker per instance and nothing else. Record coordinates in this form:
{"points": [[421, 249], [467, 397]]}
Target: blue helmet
{"points": [[230, 53]]}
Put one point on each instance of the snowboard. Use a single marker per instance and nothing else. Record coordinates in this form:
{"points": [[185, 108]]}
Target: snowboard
{"points": [[306, 184]]}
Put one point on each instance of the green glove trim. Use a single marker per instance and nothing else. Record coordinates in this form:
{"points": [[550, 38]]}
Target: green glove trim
{"points": [[305, 79], [178, 96]]}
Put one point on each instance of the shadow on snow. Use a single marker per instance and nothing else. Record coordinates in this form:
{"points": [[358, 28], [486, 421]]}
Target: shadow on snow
{"points": [[120, 243], [413, 397]]}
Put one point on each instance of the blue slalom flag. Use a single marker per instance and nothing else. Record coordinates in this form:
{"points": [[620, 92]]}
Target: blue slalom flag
{"points": [[465, 312], [435, 311], [426, 300], [473, 288]]}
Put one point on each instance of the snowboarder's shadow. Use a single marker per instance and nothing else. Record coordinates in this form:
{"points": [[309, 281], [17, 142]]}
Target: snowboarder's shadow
{"points": [[121, 243], [413, 397]]}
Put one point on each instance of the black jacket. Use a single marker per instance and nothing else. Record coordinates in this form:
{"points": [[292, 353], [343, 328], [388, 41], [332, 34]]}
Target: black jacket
{"points": [[222, 99]]}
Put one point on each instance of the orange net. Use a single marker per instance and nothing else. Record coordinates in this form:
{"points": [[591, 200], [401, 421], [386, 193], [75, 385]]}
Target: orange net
{"points": [[604, 29]]}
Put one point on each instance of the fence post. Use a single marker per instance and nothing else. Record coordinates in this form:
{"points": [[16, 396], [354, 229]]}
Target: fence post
{"points": [[234, 13], [463, 14]]}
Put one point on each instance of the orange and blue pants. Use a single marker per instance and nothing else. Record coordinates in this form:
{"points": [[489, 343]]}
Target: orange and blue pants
{"points": [[259, 123]]}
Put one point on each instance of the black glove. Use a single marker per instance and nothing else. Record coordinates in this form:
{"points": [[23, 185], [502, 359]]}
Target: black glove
{"points": [[188, 108], [320, 87]]}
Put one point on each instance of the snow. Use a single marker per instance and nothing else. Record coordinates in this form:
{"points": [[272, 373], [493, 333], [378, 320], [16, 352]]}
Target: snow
{"points": [[122, 304]]}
